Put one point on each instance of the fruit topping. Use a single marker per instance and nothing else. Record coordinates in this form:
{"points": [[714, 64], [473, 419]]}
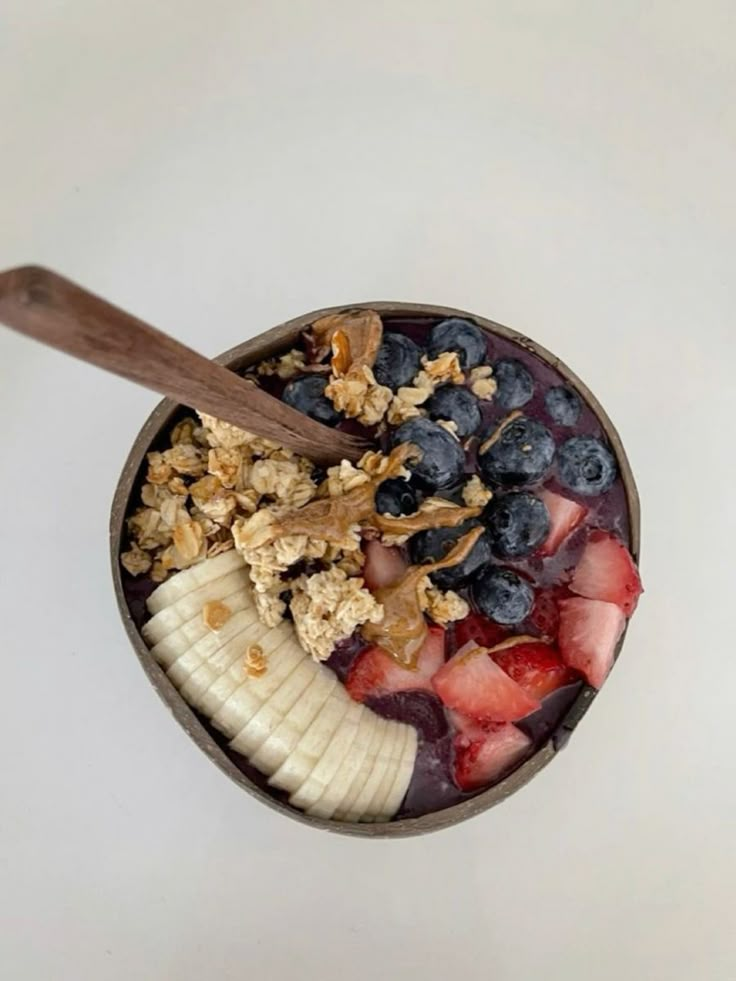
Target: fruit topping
{"points": [[481, 630], [435, 543], [397, 362], [461, 336], [545, 615], [396, 496], [586, 466], [473, 684], [563, 405], [517, 524], [458, 405], [307, 394], [383, 565], [483, 755], [503, 596], [515, 383], [374, 672], [606, 571], [518, 452], [403, 629], [589, 632], [536, 667], [565, 516], [442, 459]]}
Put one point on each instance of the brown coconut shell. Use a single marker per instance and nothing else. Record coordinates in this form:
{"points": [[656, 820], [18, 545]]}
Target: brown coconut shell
{"points": [[266, 345]]}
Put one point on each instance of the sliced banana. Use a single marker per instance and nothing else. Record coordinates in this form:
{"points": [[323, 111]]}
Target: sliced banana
{"points": [[387, 763], [272, 712], [238, 710], [341, 781], [375, 809], [329, 762], [188, 606], [308, 751], [283, 740], [180, 640], [208, 645], [403, 778], [365, 771], [190, 579]]}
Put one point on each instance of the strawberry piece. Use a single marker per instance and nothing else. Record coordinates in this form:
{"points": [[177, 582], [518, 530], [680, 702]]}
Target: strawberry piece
{"points": [[484, 755], [479, 629], [589, 633], [564, 517], [607, 572], [473, 684], [375, 672], [534, 666], [545, 615], [383, 565]]}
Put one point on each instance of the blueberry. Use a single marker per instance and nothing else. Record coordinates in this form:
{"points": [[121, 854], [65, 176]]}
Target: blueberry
{"points": [[435, 543], [443, 459], [586, 466], [307, 394], [515, 383], [503, 596], [396, 496], [563, 406], [461, 336], [458, 404], [397, 361], [518, 523], [521, 454]]}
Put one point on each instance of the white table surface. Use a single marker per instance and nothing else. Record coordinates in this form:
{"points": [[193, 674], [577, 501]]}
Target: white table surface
{"points": [[563, 167]]}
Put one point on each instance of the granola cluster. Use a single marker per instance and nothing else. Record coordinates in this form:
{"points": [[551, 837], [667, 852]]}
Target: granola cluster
{"points": [[212, 475]]}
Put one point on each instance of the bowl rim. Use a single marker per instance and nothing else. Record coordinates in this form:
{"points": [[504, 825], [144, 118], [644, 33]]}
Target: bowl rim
{"points": [[265, 345]]}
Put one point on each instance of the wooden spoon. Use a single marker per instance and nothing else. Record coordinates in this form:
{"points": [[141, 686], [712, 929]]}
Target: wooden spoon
{"points": [[51, 309]]}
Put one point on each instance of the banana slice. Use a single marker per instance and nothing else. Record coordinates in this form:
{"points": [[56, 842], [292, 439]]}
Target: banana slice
{"points": [[375, 809], [403, 778], [272, 713], [221, 690], [190, 579], [283, 740], [384, 764], [180, 640], [329, 762], [342, 780], [366, 769], [310, 748], [208, 646], [246, 626], [174, 616], [246, 700]]}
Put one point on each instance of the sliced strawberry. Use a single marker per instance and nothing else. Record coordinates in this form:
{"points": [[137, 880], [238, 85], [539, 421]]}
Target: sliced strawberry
{"points": [[481, 630], [473, 684], [607, 572], [545, 615], [383, 565], [487, 754], [589, 632], [534, 666], [564, 516], [374, 672]]}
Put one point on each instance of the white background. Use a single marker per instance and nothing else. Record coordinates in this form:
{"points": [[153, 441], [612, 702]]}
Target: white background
{"points": [[567, 168]]}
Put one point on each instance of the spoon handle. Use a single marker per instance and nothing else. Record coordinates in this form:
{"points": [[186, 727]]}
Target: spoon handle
{"points": [[43, 305]]}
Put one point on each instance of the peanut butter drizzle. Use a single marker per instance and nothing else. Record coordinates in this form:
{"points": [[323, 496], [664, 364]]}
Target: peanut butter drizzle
{"points": [[331, 519], [361, 332], [410, 524], [498, 431], [403, 630]]}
